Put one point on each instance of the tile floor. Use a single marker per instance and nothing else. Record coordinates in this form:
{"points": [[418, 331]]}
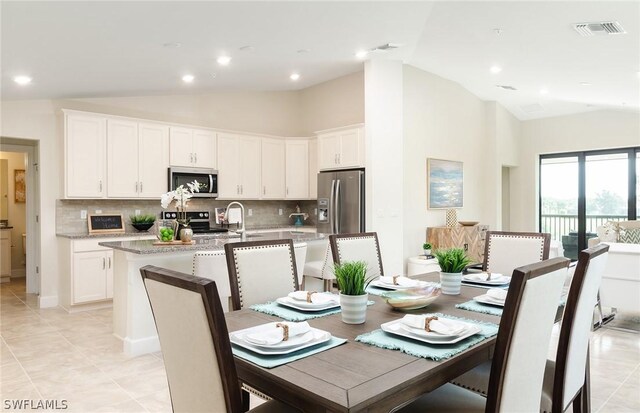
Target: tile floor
{"points": [[51, 354]]}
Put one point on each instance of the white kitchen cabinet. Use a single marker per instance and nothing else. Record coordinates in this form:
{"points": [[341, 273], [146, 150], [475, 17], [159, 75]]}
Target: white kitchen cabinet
{"points": [[239, 160], [92, 271], [313, 168], [153, 159], [5, 253], [122, 159], [341, 148], [137, 159], [273, 168], [192, 147], [85, 155], [297, 169]]}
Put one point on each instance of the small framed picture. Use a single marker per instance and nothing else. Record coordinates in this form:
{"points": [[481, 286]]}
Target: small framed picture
{"points": [[444, 184], [220, 215]]}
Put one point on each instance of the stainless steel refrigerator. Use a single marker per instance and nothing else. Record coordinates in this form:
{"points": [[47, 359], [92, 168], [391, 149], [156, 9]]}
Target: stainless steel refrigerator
{"points": [[341, 201]]}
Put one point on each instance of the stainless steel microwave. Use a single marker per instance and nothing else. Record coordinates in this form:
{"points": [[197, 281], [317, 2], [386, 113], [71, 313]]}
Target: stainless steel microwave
{"points": [[208, 178]]}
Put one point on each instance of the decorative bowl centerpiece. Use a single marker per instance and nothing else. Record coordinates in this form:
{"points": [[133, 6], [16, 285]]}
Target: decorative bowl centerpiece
{"points": [[142, 222], [412, 298]]}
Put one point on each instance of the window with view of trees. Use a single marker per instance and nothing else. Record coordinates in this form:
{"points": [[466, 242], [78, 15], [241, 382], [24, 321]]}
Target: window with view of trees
{"points": [[581, 191]]}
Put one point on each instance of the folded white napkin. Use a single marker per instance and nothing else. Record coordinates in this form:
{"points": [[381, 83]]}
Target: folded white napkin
{"points": [[441, 325], [316, 298], [401, 281], [482, 276], [497, 294], [276, 335]]}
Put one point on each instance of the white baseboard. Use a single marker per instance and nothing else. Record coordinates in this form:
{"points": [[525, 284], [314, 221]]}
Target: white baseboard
{"points": [[141, 346], [48, 302]]}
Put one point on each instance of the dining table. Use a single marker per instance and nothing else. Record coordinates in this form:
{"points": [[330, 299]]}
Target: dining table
{"points": [[358, 377]]}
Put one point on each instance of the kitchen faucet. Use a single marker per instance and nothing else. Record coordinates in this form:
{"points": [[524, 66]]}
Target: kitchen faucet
{"points": [[243, 234]]}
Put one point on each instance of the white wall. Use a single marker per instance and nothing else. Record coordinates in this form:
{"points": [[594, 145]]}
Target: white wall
{"points": [[585, 131], [335, 103], [36, 120], [17, 210], [441, 120]]}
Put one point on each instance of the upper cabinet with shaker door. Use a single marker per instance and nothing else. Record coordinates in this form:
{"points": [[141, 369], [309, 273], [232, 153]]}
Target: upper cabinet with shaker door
{"points": [[341, 148], [249, 162], [297, 169], [313, 168], [228, 171], [239, 160], [273, 169], [192, 147], [137, 159], [85, 156]]}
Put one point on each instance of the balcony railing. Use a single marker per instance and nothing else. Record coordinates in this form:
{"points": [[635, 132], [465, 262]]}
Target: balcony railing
{"points": [[558, 225]]}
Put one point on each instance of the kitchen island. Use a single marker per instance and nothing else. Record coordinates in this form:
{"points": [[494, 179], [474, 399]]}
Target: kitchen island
{"points": [[132, 318]]}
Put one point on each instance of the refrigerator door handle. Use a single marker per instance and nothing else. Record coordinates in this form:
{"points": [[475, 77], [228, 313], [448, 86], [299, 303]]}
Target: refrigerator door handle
{"points": [[337, 205], [331, 211]]}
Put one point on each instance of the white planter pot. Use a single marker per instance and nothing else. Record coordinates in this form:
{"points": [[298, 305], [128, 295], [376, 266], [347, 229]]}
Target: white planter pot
{"points": [[450, 283], [354, 308], [427, 252]]}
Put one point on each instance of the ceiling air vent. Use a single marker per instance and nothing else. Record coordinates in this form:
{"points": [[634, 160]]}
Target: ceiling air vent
{"points": [[385, 48], [506, 87], [598, 28]]}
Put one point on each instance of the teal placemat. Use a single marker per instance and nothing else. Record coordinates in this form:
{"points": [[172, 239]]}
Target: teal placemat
{"points": [[435, 352], [473, 305], [291, 314], [275, 361]]}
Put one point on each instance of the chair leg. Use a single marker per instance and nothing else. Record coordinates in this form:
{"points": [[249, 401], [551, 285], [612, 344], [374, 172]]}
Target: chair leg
{"points": [[327, 285], [245, 400]]}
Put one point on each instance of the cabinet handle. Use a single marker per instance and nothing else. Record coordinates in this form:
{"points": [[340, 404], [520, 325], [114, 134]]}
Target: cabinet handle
{"points": [[264, 190], [195, 156], [238, 189], [191, 158], [104, 263], [140, 186], [136, 187], [287, 190], [100, 185], [109, 262]]}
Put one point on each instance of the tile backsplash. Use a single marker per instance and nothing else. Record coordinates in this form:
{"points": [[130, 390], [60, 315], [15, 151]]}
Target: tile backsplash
{"points": [[264, 213]]}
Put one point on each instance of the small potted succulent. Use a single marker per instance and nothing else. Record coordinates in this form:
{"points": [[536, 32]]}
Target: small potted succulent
{"points": [[352, 282], [427, 249], [142, 222], [452, 262]]}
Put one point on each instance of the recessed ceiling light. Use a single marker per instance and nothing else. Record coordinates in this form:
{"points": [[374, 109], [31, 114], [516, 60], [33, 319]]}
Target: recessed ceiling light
{"points": [[497, 31], [188, 78], [247, 48], [495, 69], [294, 76], [361, 54], [172, 45], [544, 91], [224, 60], [22, 80], [585, 84]]}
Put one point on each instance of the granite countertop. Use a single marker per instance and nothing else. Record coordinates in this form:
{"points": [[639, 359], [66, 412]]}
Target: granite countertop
{"points": [[209, 242], [82, 235]]}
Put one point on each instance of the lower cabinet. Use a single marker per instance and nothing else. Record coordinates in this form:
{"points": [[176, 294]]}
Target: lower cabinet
{"points": [[92, 276], [469, 238], [5, 254]]}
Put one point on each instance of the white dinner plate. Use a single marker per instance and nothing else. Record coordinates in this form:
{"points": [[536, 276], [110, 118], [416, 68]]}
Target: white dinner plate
{"points": [[313, 337], [380, 284], [496, 279], [305, 306], [397, 327], [485, 299]]}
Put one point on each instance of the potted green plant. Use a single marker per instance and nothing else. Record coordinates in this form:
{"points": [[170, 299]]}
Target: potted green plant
{"points": [[427, 248], [352, 282], [452, 262], [142, 222]]}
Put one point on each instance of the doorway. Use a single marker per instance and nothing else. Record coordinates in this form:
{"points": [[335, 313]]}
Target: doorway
{"points": [[23, 209]]}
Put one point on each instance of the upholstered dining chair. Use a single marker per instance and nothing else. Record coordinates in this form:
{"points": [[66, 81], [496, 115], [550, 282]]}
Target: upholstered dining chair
{"points": [[505, 251], [320, 267], [260, 271], [517, 372], [213, 265], [362, 246], [566, 380], [195, 344]]}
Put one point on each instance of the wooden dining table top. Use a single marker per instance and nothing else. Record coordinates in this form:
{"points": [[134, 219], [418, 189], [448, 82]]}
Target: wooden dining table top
{"points": [[357, 377]]}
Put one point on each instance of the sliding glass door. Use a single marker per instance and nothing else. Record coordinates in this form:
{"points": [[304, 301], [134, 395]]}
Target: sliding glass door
{"points": [[580, 191]]}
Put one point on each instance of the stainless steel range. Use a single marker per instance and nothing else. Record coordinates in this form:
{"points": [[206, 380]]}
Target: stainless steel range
{"points": [[200, 222]]}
